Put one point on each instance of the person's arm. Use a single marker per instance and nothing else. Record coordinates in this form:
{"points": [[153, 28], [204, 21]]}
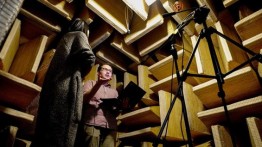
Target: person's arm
{"points": [[91, 92]]}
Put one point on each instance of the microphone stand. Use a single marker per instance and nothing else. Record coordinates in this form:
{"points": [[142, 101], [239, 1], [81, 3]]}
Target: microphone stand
{"points": [[168, 41], [181, 79], [181, 96], [199, 16]]}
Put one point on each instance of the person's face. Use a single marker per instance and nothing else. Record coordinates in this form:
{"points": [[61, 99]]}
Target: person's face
{"points": [[105, 72]]}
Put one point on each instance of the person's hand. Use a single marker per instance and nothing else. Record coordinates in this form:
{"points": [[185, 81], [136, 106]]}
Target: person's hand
{"points": [[102, 81], [99, 101]]}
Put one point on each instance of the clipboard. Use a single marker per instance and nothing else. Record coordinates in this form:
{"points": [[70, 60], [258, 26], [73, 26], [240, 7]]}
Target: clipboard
{"points": [[127, 98], [130, 96], [110, 101]]}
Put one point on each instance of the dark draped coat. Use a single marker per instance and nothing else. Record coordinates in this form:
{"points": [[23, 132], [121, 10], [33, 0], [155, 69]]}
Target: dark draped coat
{"points": [[61, 97]]}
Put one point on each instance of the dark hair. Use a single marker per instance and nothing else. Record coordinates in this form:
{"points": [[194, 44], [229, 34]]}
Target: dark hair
{"points": [[78, 24], [100, 66]]}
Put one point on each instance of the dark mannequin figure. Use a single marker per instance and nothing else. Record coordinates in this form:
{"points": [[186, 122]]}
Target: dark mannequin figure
{"points": [[61, 98]]}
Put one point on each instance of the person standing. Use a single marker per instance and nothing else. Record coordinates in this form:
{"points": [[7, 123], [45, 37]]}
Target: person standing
{"points": [[99, 121]]}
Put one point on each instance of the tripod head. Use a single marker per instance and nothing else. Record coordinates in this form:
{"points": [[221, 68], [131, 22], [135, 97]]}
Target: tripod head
{"points": [[198, 15]]}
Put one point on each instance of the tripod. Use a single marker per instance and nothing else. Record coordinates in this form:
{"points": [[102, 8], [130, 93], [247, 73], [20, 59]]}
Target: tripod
{"points": [[199, 16]]}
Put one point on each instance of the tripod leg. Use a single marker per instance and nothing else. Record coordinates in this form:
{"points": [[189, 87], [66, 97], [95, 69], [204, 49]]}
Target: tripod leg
{"points": [[156, 142], [232, 41], [180, 93], [219, 77], [255, 56]]}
